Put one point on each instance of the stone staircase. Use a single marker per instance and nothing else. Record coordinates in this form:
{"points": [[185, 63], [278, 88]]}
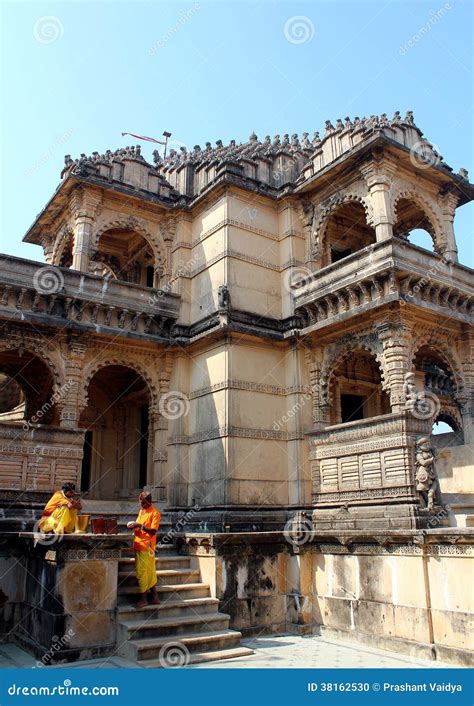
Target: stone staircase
{"points": [[185, 628]]}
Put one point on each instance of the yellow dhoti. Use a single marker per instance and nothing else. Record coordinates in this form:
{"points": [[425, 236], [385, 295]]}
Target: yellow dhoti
{"points": [[61, 521], [145, 568]]}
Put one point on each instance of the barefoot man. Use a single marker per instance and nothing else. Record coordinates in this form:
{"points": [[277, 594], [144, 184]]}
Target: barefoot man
{"points": [[59, 515], [145, 528]]}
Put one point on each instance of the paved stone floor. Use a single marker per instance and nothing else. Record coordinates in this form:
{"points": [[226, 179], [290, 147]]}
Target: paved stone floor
{"points": [[288, 651]]}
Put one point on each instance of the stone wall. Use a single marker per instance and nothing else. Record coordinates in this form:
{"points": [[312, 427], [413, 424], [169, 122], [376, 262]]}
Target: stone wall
{"points": [[409, 592]]}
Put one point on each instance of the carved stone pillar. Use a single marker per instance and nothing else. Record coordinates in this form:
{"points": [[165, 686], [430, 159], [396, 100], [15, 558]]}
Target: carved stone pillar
{"points": [[448, 248], [320, 411], [84, 205], [395, 336], [158, 432], [71, 400], [465, 398], [378, 178]]}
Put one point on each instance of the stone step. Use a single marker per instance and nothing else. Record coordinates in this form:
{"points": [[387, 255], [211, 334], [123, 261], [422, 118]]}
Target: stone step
{"points": [[162, 562], [197, 657], [173, 626], [164, 576], [149, 648], [171, 592], [185, 606]]}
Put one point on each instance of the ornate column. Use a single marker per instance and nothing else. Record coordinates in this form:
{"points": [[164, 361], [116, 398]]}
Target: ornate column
{"points": [[448, 248], [378, 177], [158, 432], [395, 336], [71, 400], [320, 410], [84, 205], [465, 397]]}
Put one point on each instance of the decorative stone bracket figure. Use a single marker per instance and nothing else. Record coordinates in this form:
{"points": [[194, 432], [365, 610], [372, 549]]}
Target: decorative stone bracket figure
{"points": [[223, 297], [410, 391], [426, 481]]}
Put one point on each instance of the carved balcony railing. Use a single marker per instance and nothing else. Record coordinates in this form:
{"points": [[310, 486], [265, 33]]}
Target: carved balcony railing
{"points": [[30, 291], [381, 273]]}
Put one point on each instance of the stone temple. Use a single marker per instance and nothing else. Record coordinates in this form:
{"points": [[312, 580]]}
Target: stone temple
{"points": [[248, 331]]}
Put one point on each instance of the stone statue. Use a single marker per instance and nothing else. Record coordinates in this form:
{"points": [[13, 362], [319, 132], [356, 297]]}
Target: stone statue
{"points": [[223, 297], [410, 391], [426, 480]]}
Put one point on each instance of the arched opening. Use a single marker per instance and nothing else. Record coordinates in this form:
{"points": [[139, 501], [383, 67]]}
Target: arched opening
{"points": [[116, 458], [12, 400], [356, 389], [125, 255], [26, 389], [64, 257], [346, 232], [434, 378], [413, 225]]}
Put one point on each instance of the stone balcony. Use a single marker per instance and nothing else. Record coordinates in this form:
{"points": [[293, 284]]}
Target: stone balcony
{"points": [[387, 271], [30, 291]]}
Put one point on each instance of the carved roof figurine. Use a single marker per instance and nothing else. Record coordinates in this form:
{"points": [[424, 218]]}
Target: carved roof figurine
{"points": [[329, 127], [464, 173], [317, 152]]}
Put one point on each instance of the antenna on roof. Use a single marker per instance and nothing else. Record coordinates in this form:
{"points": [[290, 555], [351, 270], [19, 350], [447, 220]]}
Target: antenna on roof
{"points": [[166, 135]]}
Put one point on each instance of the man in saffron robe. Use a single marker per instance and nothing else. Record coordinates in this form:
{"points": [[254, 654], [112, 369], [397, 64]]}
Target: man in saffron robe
{"points": [[145, 529], [59, 515]]}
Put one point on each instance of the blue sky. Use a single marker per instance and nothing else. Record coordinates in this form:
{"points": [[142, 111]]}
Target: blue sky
{"points": [[219, 70]]}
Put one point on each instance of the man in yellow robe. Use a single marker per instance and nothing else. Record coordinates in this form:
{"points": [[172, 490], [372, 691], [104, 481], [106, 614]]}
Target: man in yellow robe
{"points": [[59, 515], [145, 530]]}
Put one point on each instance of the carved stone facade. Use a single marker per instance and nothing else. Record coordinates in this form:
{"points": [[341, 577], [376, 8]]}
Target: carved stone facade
{"points": [[234, 326]]}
